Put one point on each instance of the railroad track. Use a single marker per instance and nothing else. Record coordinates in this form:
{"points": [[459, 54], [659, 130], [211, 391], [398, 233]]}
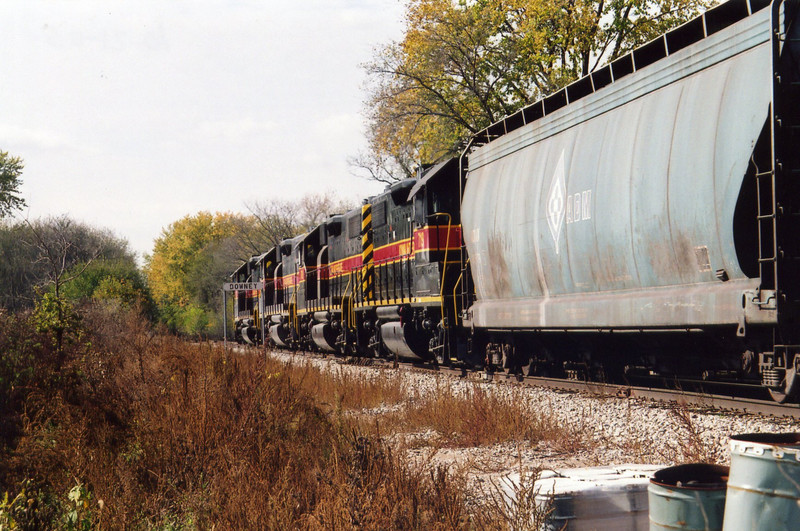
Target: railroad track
{"points": [[705, 401], [708, 401]]}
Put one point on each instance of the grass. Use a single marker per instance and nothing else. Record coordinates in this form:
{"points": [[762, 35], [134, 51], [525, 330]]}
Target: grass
{"points": [[477, 417], [141, 430], [461, 414]]}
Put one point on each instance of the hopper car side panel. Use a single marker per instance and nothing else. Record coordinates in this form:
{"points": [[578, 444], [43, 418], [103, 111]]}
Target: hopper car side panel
{"points": [[625, 219]]}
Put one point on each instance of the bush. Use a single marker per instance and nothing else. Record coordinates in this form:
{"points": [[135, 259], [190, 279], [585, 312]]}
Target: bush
{"points": [[139, 429]]}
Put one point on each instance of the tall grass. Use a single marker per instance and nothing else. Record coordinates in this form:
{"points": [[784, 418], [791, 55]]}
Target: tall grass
{"points": [[475, 416], [142, 430], [460, 413], [341, 389]]}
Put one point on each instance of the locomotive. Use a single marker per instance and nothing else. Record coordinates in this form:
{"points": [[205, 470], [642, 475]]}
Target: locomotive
{"points": [[639, 223]]}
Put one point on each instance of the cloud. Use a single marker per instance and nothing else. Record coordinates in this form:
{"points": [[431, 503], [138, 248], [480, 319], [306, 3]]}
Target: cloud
{"points": [[134, 114], [15, 138], [241, 130]]}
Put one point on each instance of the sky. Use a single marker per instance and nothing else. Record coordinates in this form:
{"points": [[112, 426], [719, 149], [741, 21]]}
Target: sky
{"points": [[130, 115]]}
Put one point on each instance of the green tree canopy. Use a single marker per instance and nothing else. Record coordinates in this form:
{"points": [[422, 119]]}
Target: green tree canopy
{"points": [[10, 172], [39, 253], [464, 64], [117, 280]]}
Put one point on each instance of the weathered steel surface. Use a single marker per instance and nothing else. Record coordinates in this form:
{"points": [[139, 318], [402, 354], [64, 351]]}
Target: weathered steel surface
{"points": [[402, 341], [672, 306], [764, 485], [618, 210], [324, 336], [690, 497]]}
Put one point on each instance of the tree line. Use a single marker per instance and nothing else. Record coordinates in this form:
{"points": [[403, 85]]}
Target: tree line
{"points": [[460, 66], [194, 255], [51, 264]]}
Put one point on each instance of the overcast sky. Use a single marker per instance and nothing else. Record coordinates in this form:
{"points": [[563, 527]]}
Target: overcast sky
{"points": [[130, 115]]}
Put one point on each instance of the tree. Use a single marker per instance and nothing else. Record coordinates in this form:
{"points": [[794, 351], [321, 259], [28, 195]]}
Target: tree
{"points": [[116, 281], [196, 254], [10, 172], [463, 66], [18, 274], [278, 219], [177, 269], [60, 246], [177, 249], [46, 252]]}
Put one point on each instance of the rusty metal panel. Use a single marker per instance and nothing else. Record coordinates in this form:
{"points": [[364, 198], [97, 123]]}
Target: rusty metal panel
{"points": [[764, 485], [637, 200]]}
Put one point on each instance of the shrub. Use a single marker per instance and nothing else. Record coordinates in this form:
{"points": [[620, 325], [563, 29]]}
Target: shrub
{"points": [[144, 430]]}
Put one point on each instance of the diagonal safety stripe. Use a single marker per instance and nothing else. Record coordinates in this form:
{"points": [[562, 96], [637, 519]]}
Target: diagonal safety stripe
{"points": [[367, 279]]}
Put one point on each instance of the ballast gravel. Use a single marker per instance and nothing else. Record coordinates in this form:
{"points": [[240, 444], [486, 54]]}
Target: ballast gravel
{"points": [[613, 430]]}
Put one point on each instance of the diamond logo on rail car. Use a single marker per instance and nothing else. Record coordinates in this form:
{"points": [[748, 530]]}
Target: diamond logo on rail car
{"points": [[555, 201]]}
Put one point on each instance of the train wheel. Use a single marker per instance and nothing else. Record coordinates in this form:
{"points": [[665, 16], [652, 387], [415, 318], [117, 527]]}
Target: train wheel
{"points": [[789, 388]]}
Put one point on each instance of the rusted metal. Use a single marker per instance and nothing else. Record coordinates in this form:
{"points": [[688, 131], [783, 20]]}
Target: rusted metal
{"points": [[619, 210], [689, 497], [764, 485]]}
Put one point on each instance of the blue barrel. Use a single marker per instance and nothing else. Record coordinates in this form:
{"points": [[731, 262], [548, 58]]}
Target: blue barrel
{"points": [[688, 497], [764, 485]]}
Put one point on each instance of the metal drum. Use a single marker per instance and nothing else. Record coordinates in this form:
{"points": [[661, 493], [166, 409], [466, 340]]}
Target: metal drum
{"points": [[764, 486], [688, 497]]}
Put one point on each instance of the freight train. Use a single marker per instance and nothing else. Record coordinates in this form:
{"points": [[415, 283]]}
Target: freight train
{"points": [[642, 222]]}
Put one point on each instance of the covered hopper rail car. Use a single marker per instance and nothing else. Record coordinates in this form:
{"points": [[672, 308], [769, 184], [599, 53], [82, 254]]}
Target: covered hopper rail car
{"points": [[642, 222]]}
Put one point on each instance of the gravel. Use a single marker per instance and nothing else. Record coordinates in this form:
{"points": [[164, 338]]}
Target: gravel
{"points": [[614, 430]]}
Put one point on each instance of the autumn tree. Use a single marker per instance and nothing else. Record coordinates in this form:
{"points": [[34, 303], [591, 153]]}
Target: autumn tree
{"points": [[10, 172], [185, 267], [196, 254], [463, 65]]}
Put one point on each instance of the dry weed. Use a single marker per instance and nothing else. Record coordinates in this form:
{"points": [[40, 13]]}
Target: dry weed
{"points": [[161, 433]]}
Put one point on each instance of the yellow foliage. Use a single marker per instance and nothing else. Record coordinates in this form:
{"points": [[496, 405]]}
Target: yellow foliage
{"points": [[176, 250], [463, 65]]}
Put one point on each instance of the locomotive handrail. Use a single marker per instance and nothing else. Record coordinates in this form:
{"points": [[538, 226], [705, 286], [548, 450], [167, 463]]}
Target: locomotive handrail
{"points": [[351, 307], [444, 265], [455, 288], [293, 302]]}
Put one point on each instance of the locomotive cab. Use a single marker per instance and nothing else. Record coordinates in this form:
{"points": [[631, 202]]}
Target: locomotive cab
{"points": [[418, 264]]}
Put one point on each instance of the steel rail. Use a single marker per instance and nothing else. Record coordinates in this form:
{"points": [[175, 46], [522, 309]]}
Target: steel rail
{"points": [[703, 400]]}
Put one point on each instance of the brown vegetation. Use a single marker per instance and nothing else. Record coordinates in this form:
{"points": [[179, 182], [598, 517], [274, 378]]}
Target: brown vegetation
{"points": [[142, 430], [160, 433]]}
